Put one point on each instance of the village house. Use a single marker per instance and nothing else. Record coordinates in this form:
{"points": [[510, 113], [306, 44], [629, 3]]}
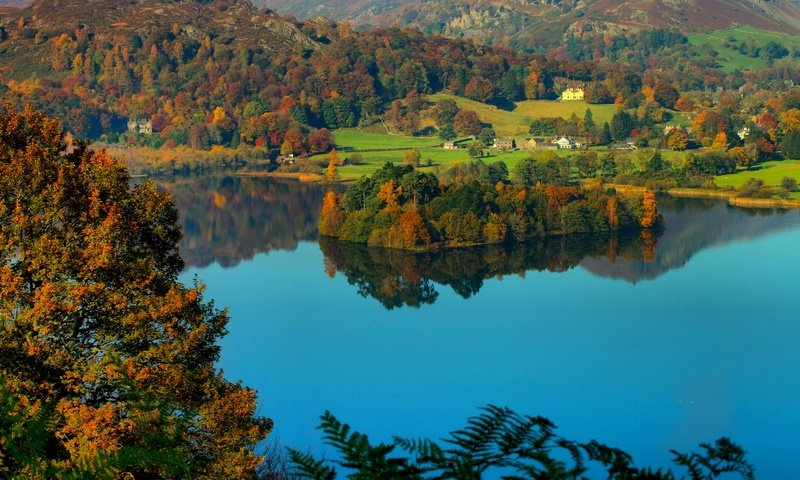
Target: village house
{"points": [[565, 143], [743, 132], [450, 146], [572, 93], [140, 126], [505, 143], [530, 144]]}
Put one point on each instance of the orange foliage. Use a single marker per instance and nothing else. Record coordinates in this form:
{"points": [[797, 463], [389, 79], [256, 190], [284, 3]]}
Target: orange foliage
{"points": [[331, 218], [720, 140], [611, 213], [107, 322], [649, 210], [389, 193], [413, 230]]}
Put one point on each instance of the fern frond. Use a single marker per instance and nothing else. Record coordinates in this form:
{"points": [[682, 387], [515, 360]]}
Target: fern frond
{"points": [[306, 466]]}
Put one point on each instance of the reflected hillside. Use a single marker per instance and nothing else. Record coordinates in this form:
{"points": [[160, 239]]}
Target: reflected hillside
{"points": [[693, 225], [399, 278], [228, 219]]}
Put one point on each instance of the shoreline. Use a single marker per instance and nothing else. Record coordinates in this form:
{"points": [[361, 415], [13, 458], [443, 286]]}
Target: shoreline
{"points": [[730, 196]]}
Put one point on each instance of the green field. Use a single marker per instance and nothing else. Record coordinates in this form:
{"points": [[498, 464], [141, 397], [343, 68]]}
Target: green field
{"points": [[377, 149], [770, 172], [517, 122], [729, 59], [354, 139]]}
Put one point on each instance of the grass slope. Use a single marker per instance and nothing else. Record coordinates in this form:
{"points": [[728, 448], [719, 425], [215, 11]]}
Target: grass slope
{"points": [[770, 172], [354, 139], [730, 60], [517, 122], [377, 149]]}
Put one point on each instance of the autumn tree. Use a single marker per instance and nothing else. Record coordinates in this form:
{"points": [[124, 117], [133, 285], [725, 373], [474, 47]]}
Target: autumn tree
{"points": [[412, 157], [467, 122], [649, 210], [331, 218], [320, 140], [678, 140], [479, 89], [389, 193], [720, 140], [413, 230], [97, 328]]}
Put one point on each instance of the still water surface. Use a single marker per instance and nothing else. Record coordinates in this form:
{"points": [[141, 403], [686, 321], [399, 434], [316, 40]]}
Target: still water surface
{"points": [[644, 347]]}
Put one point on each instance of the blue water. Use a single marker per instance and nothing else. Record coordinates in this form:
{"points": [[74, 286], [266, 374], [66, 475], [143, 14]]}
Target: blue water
{"points": [[701, 343]]}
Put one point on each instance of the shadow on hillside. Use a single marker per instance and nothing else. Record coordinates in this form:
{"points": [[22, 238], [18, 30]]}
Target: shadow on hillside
{"points": [[504, 104]]}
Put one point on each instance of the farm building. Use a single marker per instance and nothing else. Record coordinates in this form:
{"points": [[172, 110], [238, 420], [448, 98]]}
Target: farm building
{"points": [[140, 126], [450, 146], [505, 143], [530, 144]]}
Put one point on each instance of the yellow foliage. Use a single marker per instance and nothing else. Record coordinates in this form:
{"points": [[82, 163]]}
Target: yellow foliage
{"points": [[219, 115]]}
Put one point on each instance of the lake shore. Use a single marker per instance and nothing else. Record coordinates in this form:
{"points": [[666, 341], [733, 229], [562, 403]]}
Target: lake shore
{"points": [[728, 195]]}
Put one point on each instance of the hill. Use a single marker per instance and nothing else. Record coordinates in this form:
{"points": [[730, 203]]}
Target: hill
{"points": [[15, 3], [121, 18], [530, 23]]}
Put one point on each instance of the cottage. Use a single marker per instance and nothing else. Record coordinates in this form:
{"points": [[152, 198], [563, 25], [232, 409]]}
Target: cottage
{"points": [[565, 143], [671, 128], [506, 143], [450, 146], [530, 144], [743, 133], [572, 93], [140, 126]]}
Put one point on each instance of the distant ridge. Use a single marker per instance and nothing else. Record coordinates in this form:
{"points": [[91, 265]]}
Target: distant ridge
{"points": [[245, 23], [527, 23]]}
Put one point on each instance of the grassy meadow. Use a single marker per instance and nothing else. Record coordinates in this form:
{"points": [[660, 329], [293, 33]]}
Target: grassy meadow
{"points": [[730, 60], [376, 149], [512, 123], [770, 172]]}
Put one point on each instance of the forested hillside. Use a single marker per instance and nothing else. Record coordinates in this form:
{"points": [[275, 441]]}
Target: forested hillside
{"points": [[223, 73], [537, 24]]}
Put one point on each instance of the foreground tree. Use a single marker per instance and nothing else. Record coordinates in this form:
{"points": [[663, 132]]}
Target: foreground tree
{"points": [[501, 442], [97, 330]]}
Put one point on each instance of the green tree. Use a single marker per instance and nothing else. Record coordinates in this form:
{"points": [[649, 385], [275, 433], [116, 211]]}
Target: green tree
{"points": [[606, 137], [622, 123], [98, 329], [588, 122], [447, 132], [412, 157], [476, 149], [487, 136], [445, 111]]}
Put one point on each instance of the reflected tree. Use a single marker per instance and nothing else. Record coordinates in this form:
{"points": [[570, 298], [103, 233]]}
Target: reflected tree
{"points": [[398, 278]]}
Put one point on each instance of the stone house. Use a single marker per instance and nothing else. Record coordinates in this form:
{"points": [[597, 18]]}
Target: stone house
{"points": [[504, 143]]}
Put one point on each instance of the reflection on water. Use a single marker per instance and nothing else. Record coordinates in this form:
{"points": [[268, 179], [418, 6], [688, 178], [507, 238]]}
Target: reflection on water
{"points": [[693, 225], [229, 219], [399, 278], [707, 348]]}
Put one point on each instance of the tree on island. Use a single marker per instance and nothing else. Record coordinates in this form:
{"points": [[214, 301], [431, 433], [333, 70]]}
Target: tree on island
{"points": [[108, 361]]}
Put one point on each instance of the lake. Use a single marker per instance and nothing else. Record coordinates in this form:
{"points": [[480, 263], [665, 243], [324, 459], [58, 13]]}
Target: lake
{"points": [[644, 344]]}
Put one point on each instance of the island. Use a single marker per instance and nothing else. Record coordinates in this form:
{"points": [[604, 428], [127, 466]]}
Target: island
{"points": [[400, 207]]}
